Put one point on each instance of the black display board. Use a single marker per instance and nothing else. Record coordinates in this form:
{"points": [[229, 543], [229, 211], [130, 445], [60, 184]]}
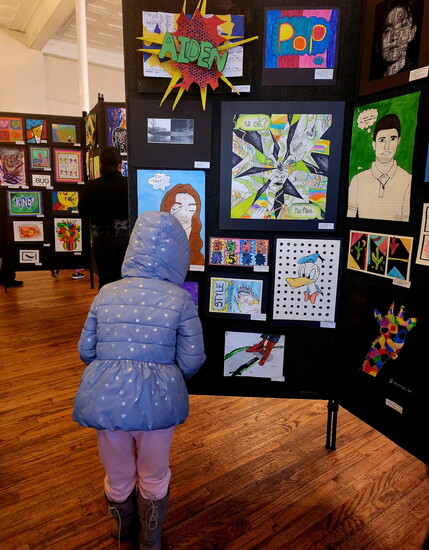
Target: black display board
{"points": [[322, 361], [43, 170]]}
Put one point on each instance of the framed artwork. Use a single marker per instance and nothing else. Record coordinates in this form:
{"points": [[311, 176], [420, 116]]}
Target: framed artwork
{"points": [[65, 201], [91, 130], [12, 167], [232, 296], [423, 250], [182, 193], [64, 133], [40, 158], [36, 130], [382, 255], [192, 288], [117, 128], [427, 167], [280, 164], [238, 252], [24, 203], [29, 256], [28, 231], [11, 129], [174, 139], [381, 158], [68, 165], [300, 46], [395, 45], [235, 24], [41, 180], [255, 355], [68, 234], [306, 280]]}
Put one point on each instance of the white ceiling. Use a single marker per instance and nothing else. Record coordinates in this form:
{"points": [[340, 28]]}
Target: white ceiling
{"points": [[50, 26]]}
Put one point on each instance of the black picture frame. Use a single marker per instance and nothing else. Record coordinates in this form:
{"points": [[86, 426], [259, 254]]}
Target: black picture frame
{"points": [[170, 155], [299, 76], [332, 170], [371, 73]]}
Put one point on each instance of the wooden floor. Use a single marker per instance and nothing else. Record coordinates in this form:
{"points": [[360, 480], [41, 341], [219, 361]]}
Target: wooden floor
{"points": [[247, 473]]}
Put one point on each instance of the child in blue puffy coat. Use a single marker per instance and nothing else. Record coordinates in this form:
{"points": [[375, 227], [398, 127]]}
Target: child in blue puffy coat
{"points": [[142, 339]]}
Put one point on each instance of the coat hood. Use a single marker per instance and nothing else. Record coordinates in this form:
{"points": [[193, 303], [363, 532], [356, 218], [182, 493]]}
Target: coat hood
{"points": [[158, 249]]}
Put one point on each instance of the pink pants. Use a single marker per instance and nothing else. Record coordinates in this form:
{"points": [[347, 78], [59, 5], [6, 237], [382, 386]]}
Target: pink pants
{"points": [[131, 457]]}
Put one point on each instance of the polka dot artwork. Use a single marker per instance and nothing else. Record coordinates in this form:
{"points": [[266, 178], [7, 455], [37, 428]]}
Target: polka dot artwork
{"points": [[306, 279]]}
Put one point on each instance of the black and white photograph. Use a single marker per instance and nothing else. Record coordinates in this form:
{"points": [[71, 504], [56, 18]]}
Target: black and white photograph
{"points": [[170, 130]]}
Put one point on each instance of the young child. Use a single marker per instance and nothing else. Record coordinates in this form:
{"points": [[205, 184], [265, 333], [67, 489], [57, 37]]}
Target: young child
{"points": [[142, 339]]}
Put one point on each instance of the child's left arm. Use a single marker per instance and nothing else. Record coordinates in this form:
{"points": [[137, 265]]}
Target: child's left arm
{"points": [[190, 345], [88, 338]]}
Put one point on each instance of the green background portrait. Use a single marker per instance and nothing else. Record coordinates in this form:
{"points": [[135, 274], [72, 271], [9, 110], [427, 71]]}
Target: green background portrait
{"points": [[362, 153]]}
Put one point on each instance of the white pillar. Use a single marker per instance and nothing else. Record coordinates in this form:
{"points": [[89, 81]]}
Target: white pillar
{"points": [[82, 55]]}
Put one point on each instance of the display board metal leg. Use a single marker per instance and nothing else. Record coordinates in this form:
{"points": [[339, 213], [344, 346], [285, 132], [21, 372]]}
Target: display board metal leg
{"points": [[331, 428]]}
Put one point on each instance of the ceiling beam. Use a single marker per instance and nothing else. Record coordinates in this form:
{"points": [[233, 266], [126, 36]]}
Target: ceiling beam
{"points": [[47, 20]]}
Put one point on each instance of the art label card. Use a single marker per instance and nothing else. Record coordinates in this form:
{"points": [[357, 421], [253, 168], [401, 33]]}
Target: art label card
{"points": [[280, 165], [254, 355], [381, 158], [306, 279], [24, 203], [423, 250], [238, 252], [239, 296], [65, 201], [41, 180], [300, 46], [11, 129], [36, 130], [382, 255], [28, 231], [40, 158], [182, 193], [117, 128], [12, 167], [68, 165], [68, 235], [29, 257], [64, 133]]}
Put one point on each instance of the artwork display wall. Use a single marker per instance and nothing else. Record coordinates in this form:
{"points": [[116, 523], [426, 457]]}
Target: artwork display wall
{"points": [[41, 172], [311, 196]]}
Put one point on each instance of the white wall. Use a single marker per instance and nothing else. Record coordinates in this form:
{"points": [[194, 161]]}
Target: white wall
{"points": [[34, 82]]}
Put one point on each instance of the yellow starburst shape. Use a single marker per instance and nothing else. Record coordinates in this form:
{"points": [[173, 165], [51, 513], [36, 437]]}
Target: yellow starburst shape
{"points": [[194, 53]]}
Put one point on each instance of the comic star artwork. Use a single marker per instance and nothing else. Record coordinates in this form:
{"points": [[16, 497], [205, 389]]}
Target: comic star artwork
{"points": [[306, 280], [190, 49], [255, 355], [280, 165]]}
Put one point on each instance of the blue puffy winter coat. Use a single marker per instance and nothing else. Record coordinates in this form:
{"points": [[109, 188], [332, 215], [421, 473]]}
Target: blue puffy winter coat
{"points": [[142, 336]]}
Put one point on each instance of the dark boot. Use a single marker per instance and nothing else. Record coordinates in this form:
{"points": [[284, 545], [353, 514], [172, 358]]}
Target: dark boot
{"points": [[125, 516], [152, 514]]}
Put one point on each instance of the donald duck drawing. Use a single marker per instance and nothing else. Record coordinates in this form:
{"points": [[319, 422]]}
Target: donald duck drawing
{"points": [[308, 273]]}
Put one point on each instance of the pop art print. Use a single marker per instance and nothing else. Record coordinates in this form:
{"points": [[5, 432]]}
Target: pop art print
{"points": [[68, 166], [68, 235], [65, 201], [28, 231], [238, 252], [254, 355], [382, 255], [36, 130], [306, 279], [300, 46], [24, 203], [12, 167], [11, 130], [40, 158], [239, 296], [393, 333]]}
